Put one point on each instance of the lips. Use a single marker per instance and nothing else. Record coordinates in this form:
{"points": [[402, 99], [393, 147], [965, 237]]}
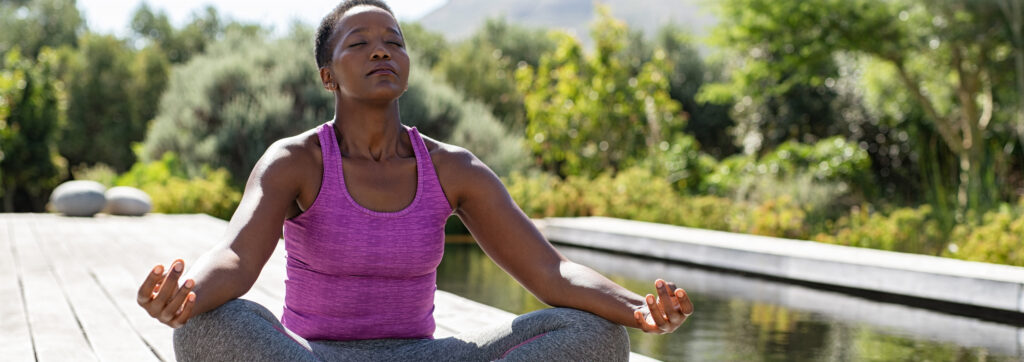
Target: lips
{"points": [[383, 70]]}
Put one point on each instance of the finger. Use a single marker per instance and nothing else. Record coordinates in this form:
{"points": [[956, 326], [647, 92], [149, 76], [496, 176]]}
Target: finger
{"points": [[167, 287], [668, 301], [656, 313], [672, 287], [685, 305], [174, 306], [644, 326], [186, 311], [146, 290]]}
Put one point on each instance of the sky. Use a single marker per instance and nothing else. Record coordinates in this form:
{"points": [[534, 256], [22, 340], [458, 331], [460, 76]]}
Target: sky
{"points": [[113, 16]]}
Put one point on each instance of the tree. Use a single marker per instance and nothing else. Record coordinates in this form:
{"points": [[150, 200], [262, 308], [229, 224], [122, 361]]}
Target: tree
{"points": [[113, 94], [442, 112], [483, 67], [1013, 21], [427, 48], [225, 107], [179, 44], [708, 122], [30, 25], [945, 55], [31, 110], [590, 114]]}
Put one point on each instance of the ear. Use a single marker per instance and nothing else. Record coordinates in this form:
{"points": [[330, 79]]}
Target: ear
{"points": [[327, 79]]}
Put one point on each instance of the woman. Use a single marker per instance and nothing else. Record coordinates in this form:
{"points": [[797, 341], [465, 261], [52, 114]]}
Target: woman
{"points": [[363, 201]]}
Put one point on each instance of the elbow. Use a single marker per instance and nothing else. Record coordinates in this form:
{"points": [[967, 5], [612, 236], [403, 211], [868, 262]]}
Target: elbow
{"points": [[552, 286]]}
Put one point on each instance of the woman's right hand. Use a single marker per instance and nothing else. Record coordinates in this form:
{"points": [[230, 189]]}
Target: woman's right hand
{"points": [[163, 299]]}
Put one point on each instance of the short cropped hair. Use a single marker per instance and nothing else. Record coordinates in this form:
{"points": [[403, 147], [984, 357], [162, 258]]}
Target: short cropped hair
{"points": [[321, 46]]}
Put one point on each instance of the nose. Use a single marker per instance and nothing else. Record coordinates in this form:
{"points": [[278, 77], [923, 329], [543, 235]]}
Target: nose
{"points": [[380, 53]]}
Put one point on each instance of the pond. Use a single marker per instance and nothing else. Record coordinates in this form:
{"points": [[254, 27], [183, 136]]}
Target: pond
{"points": [[741, 318]]}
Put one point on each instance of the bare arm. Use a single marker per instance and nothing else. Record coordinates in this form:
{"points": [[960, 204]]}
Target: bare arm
{"points": [[228, 270], [508, 236]]}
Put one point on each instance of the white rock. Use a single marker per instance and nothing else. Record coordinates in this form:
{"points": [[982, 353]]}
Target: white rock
{"points": [[128, 201], [79, 198]]}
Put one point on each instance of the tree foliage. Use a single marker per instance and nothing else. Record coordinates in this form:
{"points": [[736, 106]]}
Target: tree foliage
{"points": [[439, 110], [225, 107], [181, 44], [944, 55], [590, 113], [32, 107], [113, 93], [31, 25], [708, 122], [427, 48], [483, 67]]}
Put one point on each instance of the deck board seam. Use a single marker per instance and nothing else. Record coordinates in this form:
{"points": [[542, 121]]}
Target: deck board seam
{"points": [[63, 290], [21, 290], [124, 315], [110, 295]]}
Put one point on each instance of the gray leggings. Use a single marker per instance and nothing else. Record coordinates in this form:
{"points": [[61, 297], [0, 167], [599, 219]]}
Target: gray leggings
{"points": [[241, 330]]}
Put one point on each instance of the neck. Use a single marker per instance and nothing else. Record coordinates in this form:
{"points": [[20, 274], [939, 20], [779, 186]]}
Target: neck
{"points": [[369, 131]]}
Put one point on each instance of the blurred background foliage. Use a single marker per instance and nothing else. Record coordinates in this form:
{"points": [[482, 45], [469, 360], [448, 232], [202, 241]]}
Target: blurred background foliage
{"points": [[889, 124]]}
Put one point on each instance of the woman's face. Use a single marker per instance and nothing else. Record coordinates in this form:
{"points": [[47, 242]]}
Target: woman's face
{"points": [[369, 60]]}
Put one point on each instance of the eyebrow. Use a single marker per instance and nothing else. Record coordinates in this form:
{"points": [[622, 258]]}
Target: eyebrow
{"points": [[363, 29]]}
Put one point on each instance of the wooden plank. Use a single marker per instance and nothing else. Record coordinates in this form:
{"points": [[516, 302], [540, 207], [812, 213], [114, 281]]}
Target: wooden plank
{"points": [[195, 234], [140, 244], [16, 343], [104, 261], [108, 331], [55, 328]]}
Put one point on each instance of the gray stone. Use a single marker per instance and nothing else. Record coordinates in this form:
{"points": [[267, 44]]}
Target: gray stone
{"points": [[128, 201], [78, 198]]}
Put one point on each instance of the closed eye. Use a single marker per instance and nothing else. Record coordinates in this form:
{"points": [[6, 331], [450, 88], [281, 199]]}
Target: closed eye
{"points": [[356, 44]]}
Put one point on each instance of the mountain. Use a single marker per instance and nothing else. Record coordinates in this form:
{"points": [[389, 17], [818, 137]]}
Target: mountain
{"points": [[458, 19]]}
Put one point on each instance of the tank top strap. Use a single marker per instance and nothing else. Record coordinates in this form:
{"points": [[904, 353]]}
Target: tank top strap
{"points": [[330, 152], [429, 175], [423, 161]]}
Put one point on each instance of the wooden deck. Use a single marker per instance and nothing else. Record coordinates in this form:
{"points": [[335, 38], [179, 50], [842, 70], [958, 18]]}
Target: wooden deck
{"points": [[69, 286]]}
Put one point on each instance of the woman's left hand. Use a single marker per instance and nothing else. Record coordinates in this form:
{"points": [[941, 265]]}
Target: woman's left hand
{"points": [[666, 311]]}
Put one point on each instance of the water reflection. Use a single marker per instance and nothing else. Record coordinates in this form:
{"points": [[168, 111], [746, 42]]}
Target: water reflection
{"points": [[747, 319]]}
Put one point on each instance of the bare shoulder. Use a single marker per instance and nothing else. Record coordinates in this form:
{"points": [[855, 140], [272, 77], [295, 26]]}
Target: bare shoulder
{"points": [[452, 158], [290, 159], [460, 172]]}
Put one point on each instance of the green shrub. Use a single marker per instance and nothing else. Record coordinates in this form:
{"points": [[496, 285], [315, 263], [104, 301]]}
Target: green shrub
{"points": [[637, 194], [905, 230], [100, 172], [708, 212], [634, 193], [831, 161], [682, 164], [779, 217], [998, 239], [173, 192], [533, 193]]}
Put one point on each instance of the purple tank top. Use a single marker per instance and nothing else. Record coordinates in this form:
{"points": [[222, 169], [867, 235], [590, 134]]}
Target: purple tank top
{"points": [[355, 273]]}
